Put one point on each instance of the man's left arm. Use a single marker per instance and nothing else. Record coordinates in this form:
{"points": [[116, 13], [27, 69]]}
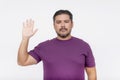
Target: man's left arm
{"points": [[91, 72]]}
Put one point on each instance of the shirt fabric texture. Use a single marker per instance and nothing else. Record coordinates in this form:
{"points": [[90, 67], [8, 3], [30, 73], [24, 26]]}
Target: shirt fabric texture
{"points": [[64, 59]]}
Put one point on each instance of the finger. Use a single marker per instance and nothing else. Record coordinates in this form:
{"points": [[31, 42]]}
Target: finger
{"points": [[32, 23], [24, 26], [27, 23]]}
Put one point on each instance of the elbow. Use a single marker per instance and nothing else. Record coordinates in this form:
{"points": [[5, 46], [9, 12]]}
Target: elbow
{"points": [[21, 63]]}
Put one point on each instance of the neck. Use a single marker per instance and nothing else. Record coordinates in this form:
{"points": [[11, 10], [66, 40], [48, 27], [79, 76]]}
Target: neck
{"points": [[67, 38]]}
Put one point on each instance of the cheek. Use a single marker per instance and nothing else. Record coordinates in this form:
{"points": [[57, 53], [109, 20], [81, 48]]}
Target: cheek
{"points": [[57, 28], [69, 27]]}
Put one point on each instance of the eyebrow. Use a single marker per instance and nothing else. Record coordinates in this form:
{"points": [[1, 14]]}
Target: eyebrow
{"points": [[63, 20]]}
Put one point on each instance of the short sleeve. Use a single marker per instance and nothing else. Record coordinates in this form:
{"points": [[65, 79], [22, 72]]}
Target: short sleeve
{"points": [[35, 53], [89, 59]]}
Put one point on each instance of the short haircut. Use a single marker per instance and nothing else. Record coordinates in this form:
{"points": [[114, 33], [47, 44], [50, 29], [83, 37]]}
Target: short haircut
{"points": [[59, 12]]}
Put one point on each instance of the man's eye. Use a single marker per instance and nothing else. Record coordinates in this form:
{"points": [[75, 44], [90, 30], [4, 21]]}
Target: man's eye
{"points": [[58, 22], [67, 21]]}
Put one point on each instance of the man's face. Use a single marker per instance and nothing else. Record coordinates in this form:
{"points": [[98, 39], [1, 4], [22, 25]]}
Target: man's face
{"points": [[63, 25]]}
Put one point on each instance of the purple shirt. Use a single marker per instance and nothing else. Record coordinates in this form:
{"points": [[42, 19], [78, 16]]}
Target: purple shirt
{"points": [[64, 59]]}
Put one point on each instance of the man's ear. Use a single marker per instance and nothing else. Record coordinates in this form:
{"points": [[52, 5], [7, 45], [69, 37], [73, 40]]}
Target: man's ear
{"points": [[72, 24], [54, 25]]}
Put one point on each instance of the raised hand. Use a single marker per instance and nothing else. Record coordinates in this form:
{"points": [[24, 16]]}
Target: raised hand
{"points": [[28, 29]]}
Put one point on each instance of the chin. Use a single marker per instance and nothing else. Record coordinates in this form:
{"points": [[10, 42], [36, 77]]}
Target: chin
{"points": [[63, 35]]}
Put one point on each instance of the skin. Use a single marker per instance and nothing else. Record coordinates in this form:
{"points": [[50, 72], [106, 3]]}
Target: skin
{"points": [[24, 58], [63, 26]]}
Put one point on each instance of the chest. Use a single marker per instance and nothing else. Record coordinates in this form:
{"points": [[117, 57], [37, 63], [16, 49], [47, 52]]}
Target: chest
{"points": [[64, 55]]}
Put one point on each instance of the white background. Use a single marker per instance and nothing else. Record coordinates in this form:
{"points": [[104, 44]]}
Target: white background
{"points": [[95, 21]]}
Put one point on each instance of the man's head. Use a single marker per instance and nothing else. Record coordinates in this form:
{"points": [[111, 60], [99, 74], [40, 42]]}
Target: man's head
{"points": [[63, 23]]}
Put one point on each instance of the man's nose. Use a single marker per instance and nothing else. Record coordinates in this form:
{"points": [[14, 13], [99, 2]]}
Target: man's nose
{"points": [[62, 24]]}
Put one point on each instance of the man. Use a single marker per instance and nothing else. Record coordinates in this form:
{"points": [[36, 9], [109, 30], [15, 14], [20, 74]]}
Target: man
{"points": [[64, 57]]}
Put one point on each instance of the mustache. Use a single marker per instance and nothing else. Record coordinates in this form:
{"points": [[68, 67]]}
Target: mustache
{"points": [[63, 29]]}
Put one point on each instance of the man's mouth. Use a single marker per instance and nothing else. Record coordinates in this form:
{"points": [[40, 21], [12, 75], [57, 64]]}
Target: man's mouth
{"points": [[63, 29]]}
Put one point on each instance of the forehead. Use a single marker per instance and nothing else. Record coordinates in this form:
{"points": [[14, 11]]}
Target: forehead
{"points": [[62, 17]]}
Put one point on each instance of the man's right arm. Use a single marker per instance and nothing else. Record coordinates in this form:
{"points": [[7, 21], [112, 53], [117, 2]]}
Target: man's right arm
{"points": [[24, 58]]}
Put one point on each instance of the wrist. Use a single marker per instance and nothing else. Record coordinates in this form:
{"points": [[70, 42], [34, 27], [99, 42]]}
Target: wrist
{"points": [[25, 38]]}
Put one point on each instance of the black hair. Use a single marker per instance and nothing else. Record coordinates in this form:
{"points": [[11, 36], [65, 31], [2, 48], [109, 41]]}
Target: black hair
{"points": [[59, 12]]}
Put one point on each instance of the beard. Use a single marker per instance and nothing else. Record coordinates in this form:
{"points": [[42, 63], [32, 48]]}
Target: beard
{"points": [[63, 35]]}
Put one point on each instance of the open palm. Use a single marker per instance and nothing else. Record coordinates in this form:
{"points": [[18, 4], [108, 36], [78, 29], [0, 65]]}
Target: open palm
{"points": [[28, 27]]}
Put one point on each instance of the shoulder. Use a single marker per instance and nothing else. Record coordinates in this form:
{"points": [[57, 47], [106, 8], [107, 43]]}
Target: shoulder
{"points": [[46, 43], [79, 40], [82, 43]]}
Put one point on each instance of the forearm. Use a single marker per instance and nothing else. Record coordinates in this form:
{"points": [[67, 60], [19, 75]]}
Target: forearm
{"points": [[22, 52], [91, 72], [92, 77]]}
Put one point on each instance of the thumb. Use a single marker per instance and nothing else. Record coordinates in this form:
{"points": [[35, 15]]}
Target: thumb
{"points": [[35, 31]]}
